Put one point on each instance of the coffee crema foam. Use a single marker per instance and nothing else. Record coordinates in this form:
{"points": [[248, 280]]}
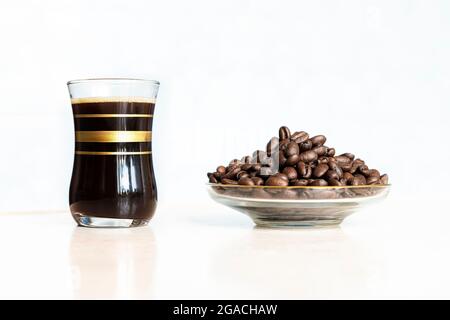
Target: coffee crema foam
{"points": [[113, 99]]}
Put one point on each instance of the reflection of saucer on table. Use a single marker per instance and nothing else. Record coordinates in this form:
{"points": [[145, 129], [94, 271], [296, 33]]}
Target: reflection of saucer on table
{"points": [[287, 264]]}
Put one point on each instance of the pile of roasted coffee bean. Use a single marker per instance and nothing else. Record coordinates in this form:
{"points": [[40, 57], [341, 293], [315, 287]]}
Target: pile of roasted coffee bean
{"points": [[302, 161]]}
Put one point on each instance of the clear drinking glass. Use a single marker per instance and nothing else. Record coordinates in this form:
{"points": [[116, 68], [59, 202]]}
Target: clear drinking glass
{"points": [[113, 183]]}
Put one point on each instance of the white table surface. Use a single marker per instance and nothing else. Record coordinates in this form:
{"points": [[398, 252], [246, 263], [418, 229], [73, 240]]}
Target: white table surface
{"points": [[397, 249]]}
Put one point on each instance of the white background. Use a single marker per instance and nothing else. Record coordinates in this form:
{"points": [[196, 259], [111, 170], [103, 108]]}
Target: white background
{"points": [[374, 76]]}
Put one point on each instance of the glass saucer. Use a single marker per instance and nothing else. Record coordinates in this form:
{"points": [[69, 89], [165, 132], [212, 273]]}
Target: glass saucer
{"points": [[297, 206]]}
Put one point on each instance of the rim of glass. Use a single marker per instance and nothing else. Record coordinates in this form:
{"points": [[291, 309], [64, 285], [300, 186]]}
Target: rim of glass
{"points": [[112, 80], [299, 187]]}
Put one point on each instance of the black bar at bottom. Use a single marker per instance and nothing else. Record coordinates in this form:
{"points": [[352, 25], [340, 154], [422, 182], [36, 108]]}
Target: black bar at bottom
{"points": [[229, 309]]}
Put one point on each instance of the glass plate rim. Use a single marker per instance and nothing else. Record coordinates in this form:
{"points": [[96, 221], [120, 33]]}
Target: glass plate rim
{"points": [[112, 80], [209, 184]]}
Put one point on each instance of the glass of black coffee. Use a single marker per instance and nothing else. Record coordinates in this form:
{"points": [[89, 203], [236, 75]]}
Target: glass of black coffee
{"points": [[113, 183]]}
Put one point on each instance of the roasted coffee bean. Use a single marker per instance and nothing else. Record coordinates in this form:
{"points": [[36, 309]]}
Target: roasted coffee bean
{"points": [[282, 176], [308, 156], [364, 170], [356, 182], [242, 174], [358, 179], [212, 178], [231, 174], [347, 176], [291, 149], [256, 167], [346, 167], [245, 181], [342, 160], [281, 159], [290, 172], [373, 180], [318, 140], [318, 182], [229, 181], [301, 160], [283, 144], [320, 170], [301, 168], [258, 181], [339, 171], [305, 146], [300, 136], [331, 152], [231, 167], [354, 167], [373, 173], [332, 164], [351, 156], [272, 146], [292, 160], [299, 182], [331, 174], [322, 160], [284, 133], [308, 173], [359, 163], [334, 182], [321, 151], [276, 181], [221, 170]]}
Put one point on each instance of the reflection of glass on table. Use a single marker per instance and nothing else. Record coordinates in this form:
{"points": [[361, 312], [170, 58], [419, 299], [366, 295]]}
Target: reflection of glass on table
{"points": [[112, 264]]}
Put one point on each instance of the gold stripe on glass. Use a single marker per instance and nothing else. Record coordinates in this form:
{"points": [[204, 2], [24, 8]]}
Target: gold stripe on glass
{"points": [[113, 99], [113, 136], [112, 115], [111, 153]]}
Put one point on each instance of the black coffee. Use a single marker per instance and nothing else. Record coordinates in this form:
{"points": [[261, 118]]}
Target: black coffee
{"points": [[113, 170]]}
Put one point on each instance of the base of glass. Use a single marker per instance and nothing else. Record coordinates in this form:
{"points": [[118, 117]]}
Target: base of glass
{"points": [[97, 222], [297, 223]]}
